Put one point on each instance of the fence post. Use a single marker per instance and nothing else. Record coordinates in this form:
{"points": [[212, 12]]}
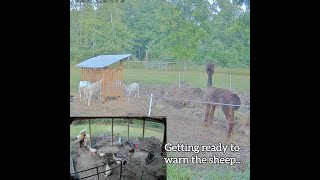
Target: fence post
{"points": [[111, 131], [179, 86], [230, 81], [179, 79], [120, 169], [90, 132], [98, 173], [144, 123], [150, 105]]}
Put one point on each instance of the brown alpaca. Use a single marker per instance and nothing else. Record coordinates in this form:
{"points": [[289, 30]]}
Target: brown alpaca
{"points": [[218, 95]]}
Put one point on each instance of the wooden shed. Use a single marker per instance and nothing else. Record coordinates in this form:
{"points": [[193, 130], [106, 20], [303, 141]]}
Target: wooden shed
{"points": [[108, 67]]}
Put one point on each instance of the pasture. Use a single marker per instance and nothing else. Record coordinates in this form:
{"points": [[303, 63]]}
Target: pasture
{"points": [[240, 78]]}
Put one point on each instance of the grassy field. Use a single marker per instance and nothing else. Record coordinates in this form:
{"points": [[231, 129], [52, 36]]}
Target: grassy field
{"points": [[240, 77], [118, 130], [178, 172], [191, 67]]}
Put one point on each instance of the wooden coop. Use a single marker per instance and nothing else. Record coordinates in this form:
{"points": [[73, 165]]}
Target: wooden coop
{"points": [[106, 67]]}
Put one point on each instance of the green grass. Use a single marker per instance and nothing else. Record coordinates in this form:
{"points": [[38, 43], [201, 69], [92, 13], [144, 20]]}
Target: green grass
{"points": [[240, 77], [74, 78], [225, 173], [118, 129], [192, 67]]}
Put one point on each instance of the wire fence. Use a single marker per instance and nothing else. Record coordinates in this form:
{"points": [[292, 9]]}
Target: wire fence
{"points": [[97, 171], [151, 96], [189, 100], [136, 170]]}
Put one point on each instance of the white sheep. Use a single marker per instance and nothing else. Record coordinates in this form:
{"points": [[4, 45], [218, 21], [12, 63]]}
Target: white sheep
{"points": [[82, 86], [131, 88], [95, 88]]}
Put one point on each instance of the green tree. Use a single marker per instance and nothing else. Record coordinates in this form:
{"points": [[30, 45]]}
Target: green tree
{"points": [[98, 29], [227, 41], [169, 30]]}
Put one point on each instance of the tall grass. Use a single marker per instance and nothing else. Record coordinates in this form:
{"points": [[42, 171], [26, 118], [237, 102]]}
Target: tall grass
{"points": [[222, 172]]}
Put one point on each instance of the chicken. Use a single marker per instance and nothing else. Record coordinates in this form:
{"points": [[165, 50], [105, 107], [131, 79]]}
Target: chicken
{"points": [[131, 152], [93, 151], [101, 154]]}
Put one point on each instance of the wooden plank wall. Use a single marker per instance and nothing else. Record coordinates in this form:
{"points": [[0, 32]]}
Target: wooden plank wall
{"points": [[92, 75], [112, 85], [114, 79]]}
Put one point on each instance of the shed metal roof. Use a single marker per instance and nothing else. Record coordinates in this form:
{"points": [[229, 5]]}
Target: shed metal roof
{"points": [[102, 61]]}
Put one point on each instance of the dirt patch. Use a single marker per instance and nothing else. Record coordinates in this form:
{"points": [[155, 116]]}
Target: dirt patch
{"points": [[83, 159]]}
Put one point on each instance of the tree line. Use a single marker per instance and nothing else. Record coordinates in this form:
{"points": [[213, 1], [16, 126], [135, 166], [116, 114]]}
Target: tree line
{"points": [[193, 31]]}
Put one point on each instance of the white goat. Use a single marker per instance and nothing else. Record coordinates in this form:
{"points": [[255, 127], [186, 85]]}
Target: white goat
{"points": [[82, 86], [95, 88], [131, 88]]}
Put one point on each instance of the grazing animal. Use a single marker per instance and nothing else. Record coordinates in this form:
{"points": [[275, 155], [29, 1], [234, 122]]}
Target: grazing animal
{"points": [[82, 86], [218, 95], [93, 89], [131, 88], [71, 98], [210, 71]]}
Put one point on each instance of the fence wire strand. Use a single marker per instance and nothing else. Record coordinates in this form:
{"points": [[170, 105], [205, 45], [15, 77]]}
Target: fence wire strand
{"points": [[188, 100]]}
